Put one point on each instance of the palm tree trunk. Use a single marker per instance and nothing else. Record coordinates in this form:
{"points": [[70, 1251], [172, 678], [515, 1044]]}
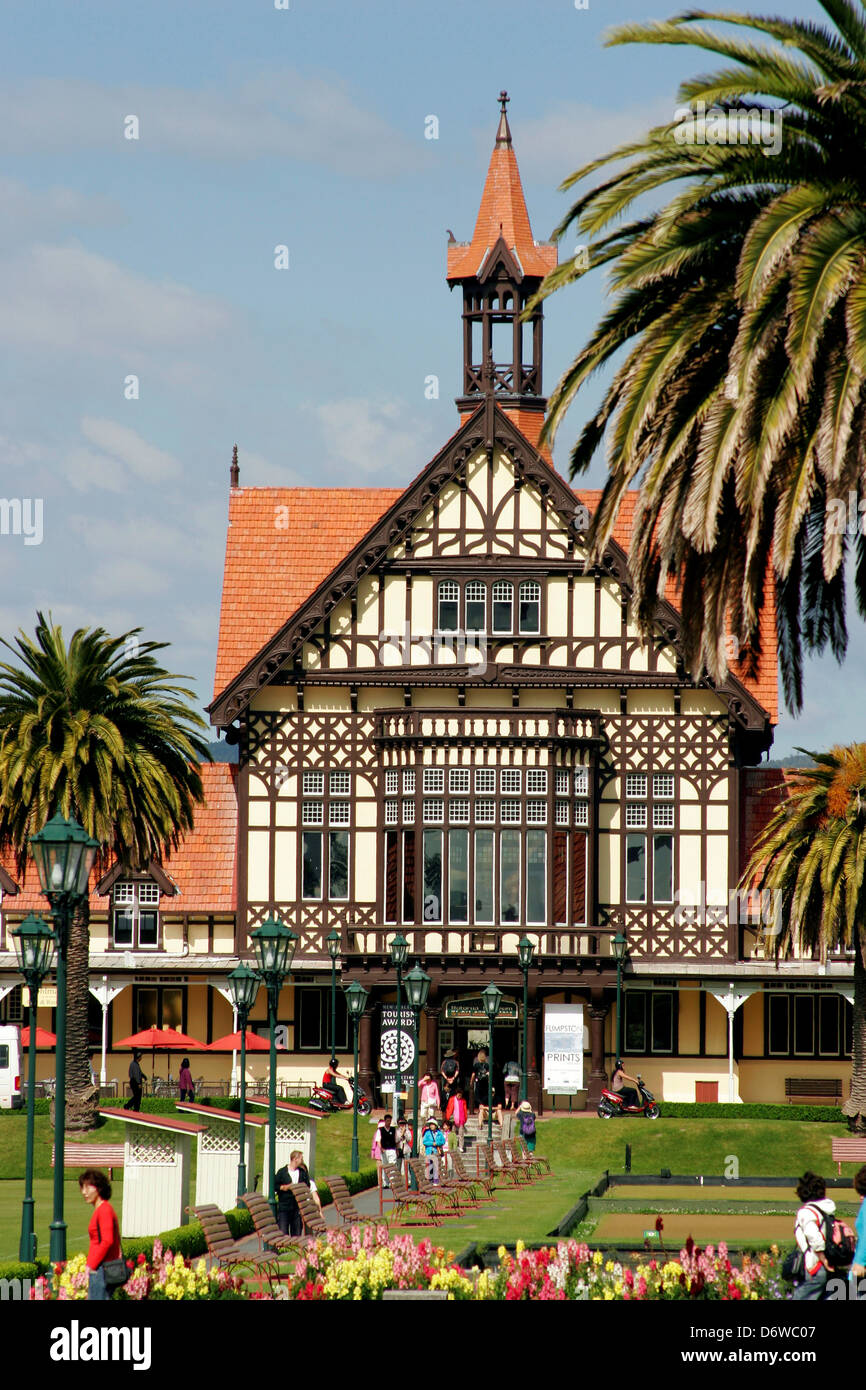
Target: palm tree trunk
{"points": [[81, 1105], [855, 1105]]}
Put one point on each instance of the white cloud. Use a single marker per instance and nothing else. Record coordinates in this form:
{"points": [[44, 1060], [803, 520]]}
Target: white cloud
{"points": [[64, 297], [366, 436], [281, 114], [130, 449], [41, 212]]}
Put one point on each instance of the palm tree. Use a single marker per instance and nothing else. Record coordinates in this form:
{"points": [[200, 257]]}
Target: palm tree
{"points": [[738, 321], [813, 856], [96, 729]]}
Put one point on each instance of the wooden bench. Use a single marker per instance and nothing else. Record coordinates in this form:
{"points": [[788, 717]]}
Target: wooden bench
{"points": [[848, 1150], [108, 1156], [820, 1090]]}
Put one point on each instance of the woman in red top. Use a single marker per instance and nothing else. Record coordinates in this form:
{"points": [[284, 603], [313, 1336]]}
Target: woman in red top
{"points": [[103, 1230]]}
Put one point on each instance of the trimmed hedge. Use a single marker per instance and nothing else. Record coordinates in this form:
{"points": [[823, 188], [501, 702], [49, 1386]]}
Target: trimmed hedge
{"points": [[688, 1110], [14, 1269], [41, 1106]]}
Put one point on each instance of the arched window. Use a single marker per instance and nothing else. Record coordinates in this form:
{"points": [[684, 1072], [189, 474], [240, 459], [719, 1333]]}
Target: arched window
{"points": [[503, 606], [449, 606], [530, 606], [476, 606]]}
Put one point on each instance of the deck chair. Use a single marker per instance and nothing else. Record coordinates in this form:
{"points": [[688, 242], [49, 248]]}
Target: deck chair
{"points": [[314, 1222], [407, 1201], [265, 1224], [345, 1204], [222, 1246], [479, 1181]]}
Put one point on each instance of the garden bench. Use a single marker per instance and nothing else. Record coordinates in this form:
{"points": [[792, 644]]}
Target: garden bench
{"points": [[265, 1224], [345, 1204], [405, 1200], [848, 1150], [542, 1163], [222, 1246], [820, 1090], [479, 1180], [82, 1156], [314, 1222], [516, 1156], [447, 1189]]}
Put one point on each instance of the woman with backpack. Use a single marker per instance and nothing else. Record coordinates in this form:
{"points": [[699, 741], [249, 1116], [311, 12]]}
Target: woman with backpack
{"points": [[810, 1228], [527, 1125]]}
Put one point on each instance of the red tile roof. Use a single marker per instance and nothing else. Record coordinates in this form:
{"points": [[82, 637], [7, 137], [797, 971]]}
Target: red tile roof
{"points": [[764, 684], [502, 213], [203, 867], [281, 544], [764, 788]]}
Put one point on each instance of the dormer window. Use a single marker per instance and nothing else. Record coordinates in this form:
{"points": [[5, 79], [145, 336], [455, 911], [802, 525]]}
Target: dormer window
{"points": [[135, 916]]}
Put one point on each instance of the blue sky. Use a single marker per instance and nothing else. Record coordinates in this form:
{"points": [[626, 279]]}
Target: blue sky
{"points": [[154, 257]]}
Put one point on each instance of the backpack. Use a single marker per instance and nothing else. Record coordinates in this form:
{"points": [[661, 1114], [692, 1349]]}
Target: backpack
{"points": [[840, 1241], [527, 1125]]}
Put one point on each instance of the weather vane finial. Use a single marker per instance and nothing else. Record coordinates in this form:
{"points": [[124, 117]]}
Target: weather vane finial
{"points": [[503, 134]]}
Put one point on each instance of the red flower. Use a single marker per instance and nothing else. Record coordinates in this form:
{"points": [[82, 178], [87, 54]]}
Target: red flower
{"points": [[690, 1245], [142, 1259], [660, 1225]]}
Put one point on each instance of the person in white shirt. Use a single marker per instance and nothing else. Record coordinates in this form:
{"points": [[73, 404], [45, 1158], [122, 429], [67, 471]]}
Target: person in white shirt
{"points": [[810, 1227]]}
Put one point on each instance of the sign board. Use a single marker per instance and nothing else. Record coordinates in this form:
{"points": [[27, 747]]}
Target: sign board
{"points": [[388, 1043], [472, 1011], [45, 999], [563, 1049]]}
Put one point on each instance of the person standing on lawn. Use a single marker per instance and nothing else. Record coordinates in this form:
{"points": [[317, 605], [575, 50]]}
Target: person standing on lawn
{"points": [[809, 1232], [136, 1082], [858, 1267], [104, 1231], [527, 1125]]}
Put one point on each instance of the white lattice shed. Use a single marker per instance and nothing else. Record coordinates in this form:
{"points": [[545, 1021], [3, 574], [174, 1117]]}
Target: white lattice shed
{"points": [[156, 1169], [296, 1129], [216, 1174]]}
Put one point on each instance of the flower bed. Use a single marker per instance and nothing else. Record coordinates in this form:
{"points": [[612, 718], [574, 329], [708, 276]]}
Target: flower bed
{"points": [[166, 1276], [355, 1265], [352, 1266]]}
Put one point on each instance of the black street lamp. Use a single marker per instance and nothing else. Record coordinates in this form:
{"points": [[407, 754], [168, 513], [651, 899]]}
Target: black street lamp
{"points": [[34, 948], [274, 945], [399, 952], [333, 940], [244, 986], [525, 953], [491, 998], [418, 989], [620, 946], [356, 1002], [64, 855]]}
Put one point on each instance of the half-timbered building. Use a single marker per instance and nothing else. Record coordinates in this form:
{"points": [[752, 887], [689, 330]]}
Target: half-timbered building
{"points": [[448, 726]]}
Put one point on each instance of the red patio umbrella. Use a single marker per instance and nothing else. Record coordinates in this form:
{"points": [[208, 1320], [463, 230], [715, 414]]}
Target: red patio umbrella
{"points": [[43, 1037], [232, 1043], [166, 1039]]}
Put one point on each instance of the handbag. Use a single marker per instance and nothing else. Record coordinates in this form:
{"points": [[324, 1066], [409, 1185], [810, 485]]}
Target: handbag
{"points": [[794, 1266], [115, 1272]]}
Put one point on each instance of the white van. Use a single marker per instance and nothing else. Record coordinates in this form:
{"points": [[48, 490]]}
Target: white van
{"points": [[10, 1067]]}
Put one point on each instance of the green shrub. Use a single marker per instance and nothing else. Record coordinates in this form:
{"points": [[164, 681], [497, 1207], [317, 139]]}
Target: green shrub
{"points": [[41, 1106], [687, 1110], [14, 1269]]}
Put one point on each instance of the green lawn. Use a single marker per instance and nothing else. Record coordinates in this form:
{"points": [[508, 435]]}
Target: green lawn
{"points": [[579, 1150]]}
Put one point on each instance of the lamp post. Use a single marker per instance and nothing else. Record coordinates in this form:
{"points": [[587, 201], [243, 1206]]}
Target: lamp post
{"points": [[418, 989], [333, 940], [244, 986], [525, 953], [64, 854], [399, 952], [492, 998], [356, 1002], [620, 945], [34, 948], [274, 945]]}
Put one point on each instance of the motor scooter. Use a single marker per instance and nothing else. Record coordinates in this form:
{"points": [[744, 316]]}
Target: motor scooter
{"points": [[611, 1104], [326, 1102]]}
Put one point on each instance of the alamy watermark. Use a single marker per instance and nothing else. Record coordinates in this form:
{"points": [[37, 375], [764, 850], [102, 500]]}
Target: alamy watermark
{"points": [[741, 125], [22, 516], [467, 648], [760, 910]]}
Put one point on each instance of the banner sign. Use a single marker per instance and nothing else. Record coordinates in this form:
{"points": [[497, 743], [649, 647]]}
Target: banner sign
{"points": [[388, 1044], [563, 1049], [472, 1011], [45, 999]]}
